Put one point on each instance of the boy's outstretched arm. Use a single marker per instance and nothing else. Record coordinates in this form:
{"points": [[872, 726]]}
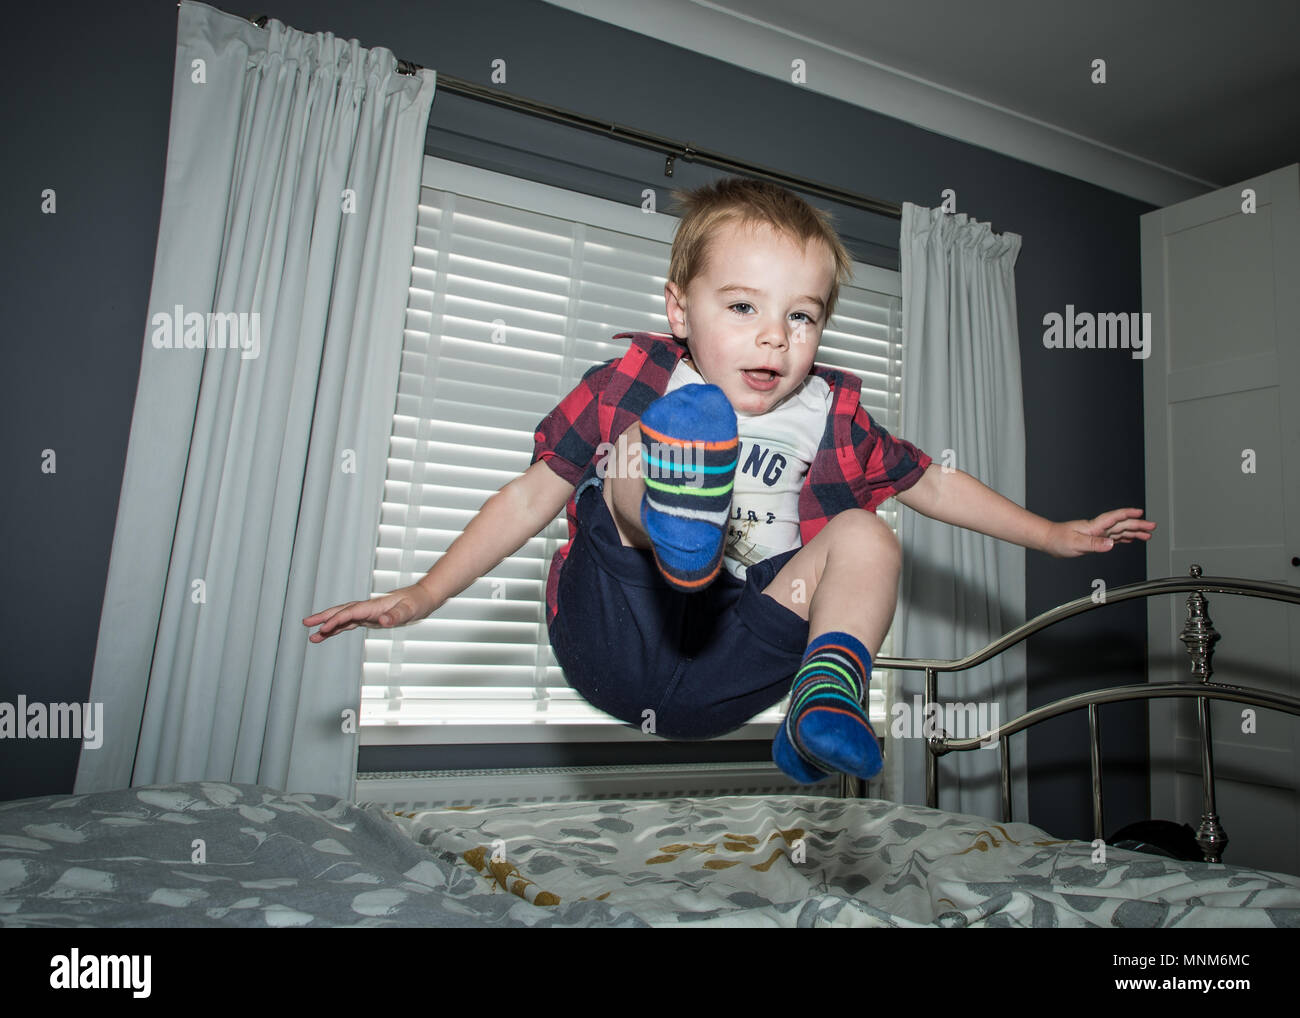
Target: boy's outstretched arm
{"points": [[518, 511], [958, 498]]}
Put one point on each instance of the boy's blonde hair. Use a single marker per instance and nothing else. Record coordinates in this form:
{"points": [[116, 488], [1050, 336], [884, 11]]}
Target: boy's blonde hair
{"points": [[750, 202]]}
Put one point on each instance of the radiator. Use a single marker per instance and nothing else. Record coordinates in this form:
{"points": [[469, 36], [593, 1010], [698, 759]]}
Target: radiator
{"points": [[415, 790]]}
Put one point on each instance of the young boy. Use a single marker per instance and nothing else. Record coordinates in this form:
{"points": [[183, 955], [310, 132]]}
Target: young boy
{"points": [[724, 445]]}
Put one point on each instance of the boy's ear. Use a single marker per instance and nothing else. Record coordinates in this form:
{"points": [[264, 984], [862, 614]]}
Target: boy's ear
{"points": [[672, 295], [675, 307]]}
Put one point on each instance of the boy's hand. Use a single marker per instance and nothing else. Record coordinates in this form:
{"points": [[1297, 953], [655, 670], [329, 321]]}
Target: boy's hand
{"points": [[1079, 537], [406, 604]]}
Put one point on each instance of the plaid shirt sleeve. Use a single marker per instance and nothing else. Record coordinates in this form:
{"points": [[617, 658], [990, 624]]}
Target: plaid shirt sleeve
{"points": [[891, 464], [567, 438]]}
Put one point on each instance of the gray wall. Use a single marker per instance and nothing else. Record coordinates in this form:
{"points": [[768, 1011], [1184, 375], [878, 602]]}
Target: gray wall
{"points": [[91, 120]]}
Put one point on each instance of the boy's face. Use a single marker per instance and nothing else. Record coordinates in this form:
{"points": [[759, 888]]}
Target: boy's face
{"points": [[760, 303]]}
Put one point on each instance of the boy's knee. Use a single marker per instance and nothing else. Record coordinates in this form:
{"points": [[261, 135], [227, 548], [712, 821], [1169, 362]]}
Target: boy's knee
{"points": [[865, 531]]}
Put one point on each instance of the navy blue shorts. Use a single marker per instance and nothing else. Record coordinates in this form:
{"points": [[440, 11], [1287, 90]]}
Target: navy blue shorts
{"points": [[704, 662]]}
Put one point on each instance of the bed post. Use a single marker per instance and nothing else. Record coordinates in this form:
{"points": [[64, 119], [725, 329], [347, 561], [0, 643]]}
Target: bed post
{"points": [[931, 760], [1199, 637], [1005, 750], [1094, 736]]}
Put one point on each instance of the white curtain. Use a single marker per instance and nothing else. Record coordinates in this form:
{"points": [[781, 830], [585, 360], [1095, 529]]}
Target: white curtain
{"points": [[254, 474], [962, 404]]}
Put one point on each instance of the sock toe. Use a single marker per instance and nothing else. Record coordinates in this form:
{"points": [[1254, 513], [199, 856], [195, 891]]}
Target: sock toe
{"points": [[788, 759], [694, 413], [842, 741]]}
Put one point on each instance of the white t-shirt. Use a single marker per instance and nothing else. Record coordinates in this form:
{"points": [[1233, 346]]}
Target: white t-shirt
{"points": [[776, 449]]}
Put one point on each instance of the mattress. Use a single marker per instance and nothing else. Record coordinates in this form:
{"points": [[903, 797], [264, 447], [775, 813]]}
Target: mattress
{"points": [[218, 854]]}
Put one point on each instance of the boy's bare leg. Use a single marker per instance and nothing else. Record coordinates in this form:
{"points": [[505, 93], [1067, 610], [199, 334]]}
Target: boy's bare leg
{"points": [[624, 489], [845, 579], [844, 582]]}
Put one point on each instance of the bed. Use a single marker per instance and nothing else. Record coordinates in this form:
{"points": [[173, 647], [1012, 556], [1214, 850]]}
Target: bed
{"points": [[218, 854]]}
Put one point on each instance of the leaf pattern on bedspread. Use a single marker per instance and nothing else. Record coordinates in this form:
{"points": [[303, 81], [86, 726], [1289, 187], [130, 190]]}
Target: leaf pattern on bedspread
{"points": [[127, 858], [863, 863]]}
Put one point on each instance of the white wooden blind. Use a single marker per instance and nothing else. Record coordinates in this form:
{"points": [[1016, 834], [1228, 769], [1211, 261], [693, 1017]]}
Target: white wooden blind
{"points": [[516, 289]]}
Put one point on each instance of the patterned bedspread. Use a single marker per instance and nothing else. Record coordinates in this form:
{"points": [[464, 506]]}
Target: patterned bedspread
{"points": [[214, 854], [811, 861]]}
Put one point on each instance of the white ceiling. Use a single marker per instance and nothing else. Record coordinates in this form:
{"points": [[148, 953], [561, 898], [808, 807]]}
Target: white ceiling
{"points": [[1199, 93]]}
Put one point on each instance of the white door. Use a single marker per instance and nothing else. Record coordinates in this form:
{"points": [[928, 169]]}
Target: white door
{"points": [[1222, 401]]}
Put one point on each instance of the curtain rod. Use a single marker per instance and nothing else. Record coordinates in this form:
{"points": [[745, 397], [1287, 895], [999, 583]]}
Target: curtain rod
{"points": [[673, 150]]}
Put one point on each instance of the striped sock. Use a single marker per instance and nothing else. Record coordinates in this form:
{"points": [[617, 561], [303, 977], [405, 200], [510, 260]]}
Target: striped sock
{"points": [[689, 448], [826, 728]]}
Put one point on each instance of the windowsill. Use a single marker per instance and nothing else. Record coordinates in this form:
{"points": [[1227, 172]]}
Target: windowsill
{"points": [[462, 734], [530, 732]]}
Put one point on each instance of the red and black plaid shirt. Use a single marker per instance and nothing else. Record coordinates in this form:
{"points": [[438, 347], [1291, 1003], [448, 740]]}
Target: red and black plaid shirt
{"points": [[858, 464]]}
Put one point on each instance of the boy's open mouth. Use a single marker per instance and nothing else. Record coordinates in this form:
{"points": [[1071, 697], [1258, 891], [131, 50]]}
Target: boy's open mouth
{"points": [[761, 378]]}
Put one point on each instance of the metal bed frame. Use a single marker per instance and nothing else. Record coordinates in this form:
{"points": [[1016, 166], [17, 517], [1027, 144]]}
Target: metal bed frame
{"points": [[1198, 636]]}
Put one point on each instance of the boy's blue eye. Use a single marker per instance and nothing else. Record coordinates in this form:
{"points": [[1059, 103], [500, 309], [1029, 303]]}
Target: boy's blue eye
{"points": [[804, 314]]}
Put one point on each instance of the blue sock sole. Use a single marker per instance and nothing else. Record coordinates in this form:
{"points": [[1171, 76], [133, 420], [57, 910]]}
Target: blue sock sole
{"points": [[843, 743], [689, 448]]}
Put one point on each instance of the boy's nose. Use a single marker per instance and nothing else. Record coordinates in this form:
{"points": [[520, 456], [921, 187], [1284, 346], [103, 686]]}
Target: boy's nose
{"points": [[773, 335]]}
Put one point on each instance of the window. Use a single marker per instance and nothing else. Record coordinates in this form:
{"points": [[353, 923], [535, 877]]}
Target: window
{"points": [[516, 289]]}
